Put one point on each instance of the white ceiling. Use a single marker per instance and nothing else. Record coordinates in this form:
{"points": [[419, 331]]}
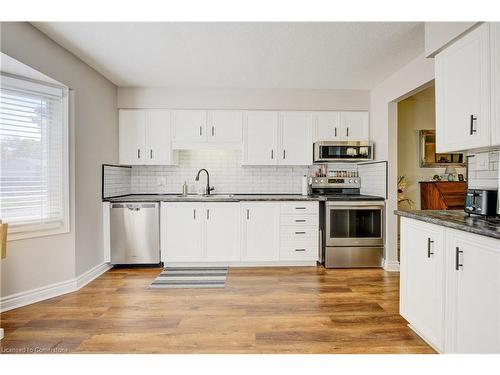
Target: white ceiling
{"points": [[330, 55]]}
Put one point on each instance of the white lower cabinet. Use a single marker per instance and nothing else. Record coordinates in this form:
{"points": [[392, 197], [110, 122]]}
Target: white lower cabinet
{"points": [[240, 233], [260, 231], [181, 237], [198, 232], [473, 293], [422, 279], [450, 287], [222, 232]]}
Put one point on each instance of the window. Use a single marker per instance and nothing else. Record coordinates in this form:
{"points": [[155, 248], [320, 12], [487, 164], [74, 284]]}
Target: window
{"points": [[34, 197]]}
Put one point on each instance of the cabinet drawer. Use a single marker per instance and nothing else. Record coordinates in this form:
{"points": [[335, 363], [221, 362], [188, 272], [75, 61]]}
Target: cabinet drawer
{"points": [[300, 208], [299, 220], [293, 232], [299, 250]]}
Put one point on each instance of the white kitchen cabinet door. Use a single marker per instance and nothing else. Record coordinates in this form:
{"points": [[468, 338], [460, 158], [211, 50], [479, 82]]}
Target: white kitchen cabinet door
{"points": [[260, 138], [495, 83], [354, 126], [183, 231], [260, 231], [225, 126], [158, 138], [422, 279], [132, 137], [327, 126], [190, 126], [473, 293], [222, 231], [295, 138], [463, 93]]}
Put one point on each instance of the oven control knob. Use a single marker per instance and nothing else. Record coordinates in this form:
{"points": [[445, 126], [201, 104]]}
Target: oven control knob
{"points": [[350, 181]]}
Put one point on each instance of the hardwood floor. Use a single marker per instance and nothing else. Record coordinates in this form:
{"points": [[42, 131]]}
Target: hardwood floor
{"points": [[261, 310]]}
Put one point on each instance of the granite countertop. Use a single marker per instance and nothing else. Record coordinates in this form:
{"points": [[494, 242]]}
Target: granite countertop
{"points": [[211, 198], [456, 219]]}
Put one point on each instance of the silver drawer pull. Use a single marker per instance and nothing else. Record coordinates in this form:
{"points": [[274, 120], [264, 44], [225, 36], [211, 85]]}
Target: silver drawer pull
{"points": [[300, 221], [300, 232], [300, 208], [300, 249]]}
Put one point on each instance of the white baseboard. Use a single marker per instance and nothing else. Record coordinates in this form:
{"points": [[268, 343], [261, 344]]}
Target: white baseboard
{"points": [[92, 274], [17, 300], [391, 265]]}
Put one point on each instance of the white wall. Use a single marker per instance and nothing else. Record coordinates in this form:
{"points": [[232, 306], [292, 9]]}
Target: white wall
{"points": [[415, 113], [38, 262], [439, 34], [285, 99], [383, 130]]}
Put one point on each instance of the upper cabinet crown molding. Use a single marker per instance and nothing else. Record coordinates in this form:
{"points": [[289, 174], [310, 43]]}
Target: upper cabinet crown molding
{"points": [[466, 92]]}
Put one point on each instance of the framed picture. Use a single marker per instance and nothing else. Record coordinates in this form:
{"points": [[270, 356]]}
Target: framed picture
{"points": [[427, 153]]}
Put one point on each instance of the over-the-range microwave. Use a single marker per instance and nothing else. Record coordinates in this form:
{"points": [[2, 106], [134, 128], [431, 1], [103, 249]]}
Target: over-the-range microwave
{"points": [[329, 151]]}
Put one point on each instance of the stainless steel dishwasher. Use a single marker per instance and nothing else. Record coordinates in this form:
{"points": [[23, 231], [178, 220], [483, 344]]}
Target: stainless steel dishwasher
{"points": [[135, 233]]}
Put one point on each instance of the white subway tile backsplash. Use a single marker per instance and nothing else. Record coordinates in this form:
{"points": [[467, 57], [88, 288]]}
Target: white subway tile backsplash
{"points": [[484, 179], [226, 175], [117, 181], [373, 178]]}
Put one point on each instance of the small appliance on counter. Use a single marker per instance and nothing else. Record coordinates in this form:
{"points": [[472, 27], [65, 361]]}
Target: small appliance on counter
{"points": [[481, 202], [351, 225]]}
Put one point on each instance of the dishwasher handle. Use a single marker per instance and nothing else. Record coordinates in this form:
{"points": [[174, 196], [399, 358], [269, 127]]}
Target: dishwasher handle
{"points": [[134, 206]]}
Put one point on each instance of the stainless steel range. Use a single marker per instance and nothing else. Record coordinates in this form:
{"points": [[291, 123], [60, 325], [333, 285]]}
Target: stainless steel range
{"points": [[352, 224]]}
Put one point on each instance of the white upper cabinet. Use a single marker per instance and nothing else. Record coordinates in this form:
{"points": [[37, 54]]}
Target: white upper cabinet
{"points": [[145, 137], [422, 279], [473, 299], [189, 126], [158, 138], [327, 126], [132, 136], [463, 93], [341, 126], [260, 138], [277, 138], [354, 126], [495, 83], [225, 126], [296, 140], [199, 129]]}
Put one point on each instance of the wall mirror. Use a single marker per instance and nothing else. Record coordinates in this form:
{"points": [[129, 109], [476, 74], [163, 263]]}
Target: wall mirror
{"points": [[428, 157]]}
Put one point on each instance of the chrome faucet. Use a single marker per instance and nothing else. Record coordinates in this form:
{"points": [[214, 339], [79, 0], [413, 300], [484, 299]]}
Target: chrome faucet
{"points": [[208, 189]]}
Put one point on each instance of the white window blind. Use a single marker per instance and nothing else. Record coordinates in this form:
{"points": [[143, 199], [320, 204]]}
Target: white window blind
{"points": [[34, 156]]}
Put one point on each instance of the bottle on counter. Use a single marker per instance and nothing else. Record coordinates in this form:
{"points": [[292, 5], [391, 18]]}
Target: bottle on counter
{"points": [[184, 189]]}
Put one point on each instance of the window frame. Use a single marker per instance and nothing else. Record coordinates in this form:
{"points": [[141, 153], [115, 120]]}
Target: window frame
{"points": [[19, 231]]}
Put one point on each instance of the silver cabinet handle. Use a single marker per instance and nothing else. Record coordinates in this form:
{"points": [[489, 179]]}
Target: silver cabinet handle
{"points": [[138, 153], [272, 154], [300, 232], [300, 249], [347, 132], [248, 214], [151, 153], [200, 131], [194, 214], [300, 221], [300, 208], [335, 131], [208, 214], [212, 131], [284, 154], [457, 258]]}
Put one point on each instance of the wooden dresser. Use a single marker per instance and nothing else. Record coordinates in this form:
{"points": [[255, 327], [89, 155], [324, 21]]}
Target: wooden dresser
{"points": [[442, 195]]}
